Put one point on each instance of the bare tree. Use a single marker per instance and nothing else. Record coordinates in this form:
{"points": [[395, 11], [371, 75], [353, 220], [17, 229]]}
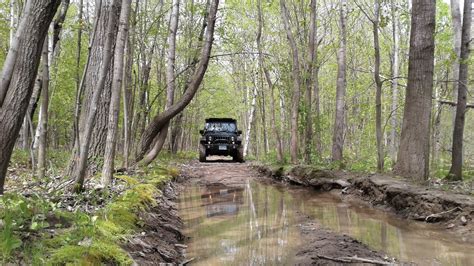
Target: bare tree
{"points": [[339, 124], [413, 154], [122, 35], [455, 173], [17, 91]]}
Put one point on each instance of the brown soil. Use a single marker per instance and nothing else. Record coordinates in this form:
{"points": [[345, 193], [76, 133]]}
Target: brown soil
{"points": [[158, 241], [324, 247], [410, 201]]}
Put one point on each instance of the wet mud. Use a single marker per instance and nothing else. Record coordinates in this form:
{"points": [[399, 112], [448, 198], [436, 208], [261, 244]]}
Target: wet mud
{"points": [[235, 215]]}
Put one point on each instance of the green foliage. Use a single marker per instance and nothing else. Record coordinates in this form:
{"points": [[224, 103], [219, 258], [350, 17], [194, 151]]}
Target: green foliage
{"points": [[98, 252], [78, 238], [20, 215]]}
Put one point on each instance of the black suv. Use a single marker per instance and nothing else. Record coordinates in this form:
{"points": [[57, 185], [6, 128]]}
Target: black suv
{"points": [[221, 137]]}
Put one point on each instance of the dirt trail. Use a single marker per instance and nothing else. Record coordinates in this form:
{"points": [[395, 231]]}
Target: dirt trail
{"points": [[321, 246]]}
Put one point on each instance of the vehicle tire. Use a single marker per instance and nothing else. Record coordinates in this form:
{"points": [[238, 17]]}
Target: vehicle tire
{"points": [[202, 153], [239, 157]]}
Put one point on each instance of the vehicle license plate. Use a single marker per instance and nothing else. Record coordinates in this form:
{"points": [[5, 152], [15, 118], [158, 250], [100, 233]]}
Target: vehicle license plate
{"points": [[222, 147]]}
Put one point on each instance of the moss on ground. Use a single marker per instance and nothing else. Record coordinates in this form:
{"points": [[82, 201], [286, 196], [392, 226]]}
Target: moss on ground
{"points": [[36, 231]]}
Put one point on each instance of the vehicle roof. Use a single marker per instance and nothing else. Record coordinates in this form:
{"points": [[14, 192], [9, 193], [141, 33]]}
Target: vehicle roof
{"points": [[214, 119]]}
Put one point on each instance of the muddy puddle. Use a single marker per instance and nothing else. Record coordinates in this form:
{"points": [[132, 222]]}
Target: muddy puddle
{"points": [[257, 223]]}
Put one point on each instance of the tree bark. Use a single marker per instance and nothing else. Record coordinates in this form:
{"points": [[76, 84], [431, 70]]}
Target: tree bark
{"points": [[94, 105], [170, 81], [160, 120], [309, 83], [90, 81], [268, 79], [18, 92], [58, 25], [378, 90], [11, 59], [251, 115], [414, 151], [457, 30], [455, 173], [13, 21], [79, 82], [395, 76], [339, 124], [108, 168], [43, 126], [296, 84]]}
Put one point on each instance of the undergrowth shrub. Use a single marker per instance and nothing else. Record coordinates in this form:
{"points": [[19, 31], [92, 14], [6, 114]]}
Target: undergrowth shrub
{"points": [[77, 238]]}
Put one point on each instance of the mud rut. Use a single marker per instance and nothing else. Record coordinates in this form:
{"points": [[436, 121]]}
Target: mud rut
{"points": [[321, 246], [164, 237]]}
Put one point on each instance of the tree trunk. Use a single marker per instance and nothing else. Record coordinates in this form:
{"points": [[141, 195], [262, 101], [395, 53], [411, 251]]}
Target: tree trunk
{"points": [[79, 82], [339, 124], [317, 112], [159, 121], [108, 169], [170, 81], [378, 90], [455, 173], [414, 151], [457, 28], [44, 113], [127, 100], [309, 83], [269, 83], [395, 77], [11, 59], [296, 84], [58, 25], [18, 91], [91, 81], [13, 21], [251, 115], [81, 171]]}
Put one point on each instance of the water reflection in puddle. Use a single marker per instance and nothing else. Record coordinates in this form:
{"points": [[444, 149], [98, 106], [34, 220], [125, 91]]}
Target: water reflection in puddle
{"points": [[255, 224]]}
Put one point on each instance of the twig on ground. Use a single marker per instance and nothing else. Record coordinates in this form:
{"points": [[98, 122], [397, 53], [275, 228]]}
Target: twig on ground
{"points": [[354, 259], [433, 217], [187, 261]]}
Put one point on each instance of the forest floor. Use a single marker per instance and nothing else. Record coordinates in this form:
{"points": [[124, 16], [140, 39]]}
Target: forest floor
{"points": [[323, 245]]}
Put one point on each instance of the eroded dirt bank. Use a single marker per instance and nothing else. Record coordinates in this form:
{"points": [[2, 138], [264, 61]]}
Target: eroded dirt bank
{"points": [[451, 211], [318, 245], [160, 234]]}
